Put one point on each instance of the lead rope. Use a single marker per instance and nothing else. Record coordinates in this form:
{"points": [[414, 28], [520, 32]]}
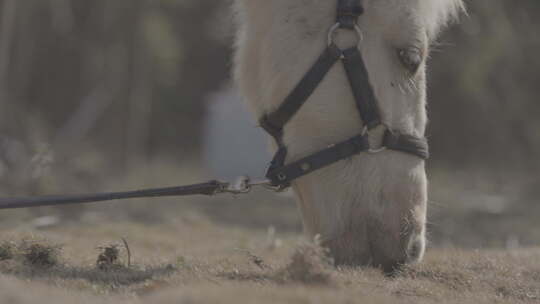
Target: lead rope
{"points": [[241, 185]]}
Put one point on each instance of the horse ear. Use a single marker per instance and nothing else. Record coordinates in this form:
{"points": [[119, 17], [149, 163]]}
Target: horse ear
{"points": [[438, 14]]}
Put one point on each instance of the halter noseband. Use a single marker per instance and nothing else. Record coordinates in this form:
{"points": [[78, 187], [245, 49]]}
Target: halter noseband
{"points": [[280, 174]]}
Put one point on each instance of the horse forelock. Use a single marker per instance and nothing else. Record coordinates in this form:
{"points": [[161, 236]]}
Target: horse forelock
{"points": [[437, 14]]}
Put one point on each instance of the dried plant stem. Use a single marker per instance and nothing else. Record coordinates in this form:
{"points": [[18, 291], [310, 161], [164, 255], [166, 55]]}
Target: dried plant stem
{"points": [[128, 252]]}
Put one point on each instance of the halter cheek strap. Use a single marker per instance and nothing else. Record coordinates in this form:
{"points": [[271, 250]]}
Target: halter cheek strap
{"points": [[280, 174]]}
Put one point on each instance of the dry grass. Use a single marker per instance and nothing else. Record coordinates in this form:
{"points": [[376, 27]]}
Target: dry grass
{"points": [[203, 251], [36, 253], [309, 265], [200, 262]]}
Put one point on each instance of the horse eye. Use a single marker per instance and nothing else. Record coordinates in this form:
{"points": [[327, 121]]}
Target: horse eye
{"points": [[411, 58]]}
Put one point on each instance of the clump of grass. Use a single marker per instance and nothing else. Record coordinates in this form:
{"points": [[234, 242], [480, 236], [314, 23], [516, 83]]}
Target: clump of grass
{"points": [[40, 254], [309, 264], [36, 253], [7, 251], [256, 260], [109, 258], [448, 275]]}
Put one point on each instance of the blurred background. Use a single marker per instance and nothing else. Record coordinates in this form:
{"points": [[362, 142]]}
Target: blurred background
{"points": [[109, 95]]}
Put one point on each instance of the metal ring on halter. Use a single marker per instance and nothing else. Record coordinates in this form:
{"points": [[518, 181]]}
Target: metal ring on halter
{"points": [[365, 131], [333, 30]]}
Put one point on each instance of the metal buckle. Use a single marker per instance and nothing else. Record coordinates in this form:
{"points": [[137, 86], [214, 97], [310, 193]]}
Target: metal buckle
{"points": [[334, 29], [365, 132]]}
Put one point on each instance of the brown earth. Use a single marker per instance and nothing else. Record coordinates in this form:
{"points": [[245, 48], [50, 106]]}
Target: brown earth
{"points": [[195, 260]]}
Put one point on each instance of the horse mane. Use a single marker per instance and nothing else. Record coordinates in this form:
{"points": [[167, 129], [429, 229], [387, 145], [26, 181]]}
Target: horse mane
{"points": [[436, 14]]}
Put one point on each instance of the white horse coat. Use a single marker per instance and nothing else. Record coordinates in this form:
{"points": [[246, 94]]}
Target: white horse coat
{"points": [[369, 209]]}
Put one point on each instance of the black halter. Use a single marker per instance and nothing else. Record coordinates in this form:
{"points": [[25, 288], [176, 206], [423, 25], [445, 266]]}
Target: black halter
{"points": [[280, 174]]}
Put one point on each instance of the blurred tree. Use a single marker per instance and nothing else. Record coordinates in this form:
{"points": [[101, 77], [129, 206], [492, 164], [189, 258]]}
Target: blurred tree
{"points": [[125, 79], [484, 90], [107, 85]]}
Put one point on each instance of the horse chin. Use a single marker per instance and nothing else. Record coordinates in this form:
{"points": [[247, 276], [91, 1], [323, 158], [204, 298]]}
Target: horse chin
{"points": [[377, 224], [374, 246]]}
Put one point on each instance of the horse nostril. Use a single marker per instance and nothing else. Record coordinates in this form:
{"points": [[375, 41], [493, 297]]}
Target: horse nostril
{"points": [[415, 252]]}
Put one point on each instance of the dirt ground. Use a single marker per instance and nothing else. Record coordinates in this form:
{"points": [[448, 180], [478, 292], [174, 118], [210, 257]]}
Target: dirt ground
{"points": [[195, 260], [250, 249]]}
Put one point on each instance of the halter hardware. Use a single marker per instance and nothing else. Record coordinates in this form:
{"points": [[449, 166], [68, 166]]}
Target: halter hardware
{"points": [[279, 174], [334, 29], [382, 148]]}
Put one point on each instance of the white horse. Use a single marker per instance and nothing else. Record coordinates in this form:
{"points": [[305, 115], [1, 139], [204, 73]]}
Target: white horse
{"points": [[368, 209]]}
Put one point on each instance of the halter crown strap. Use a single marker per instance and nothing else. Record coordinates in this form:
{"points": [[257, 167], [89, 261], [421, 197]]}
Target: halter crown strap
{"points": [[348, 12], [280, 174]]}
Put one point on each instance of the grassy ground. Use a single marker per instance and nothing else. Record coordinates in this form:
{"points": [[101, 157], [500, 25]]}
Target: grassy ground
{"points": [[221, 250], [195, 260]]}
